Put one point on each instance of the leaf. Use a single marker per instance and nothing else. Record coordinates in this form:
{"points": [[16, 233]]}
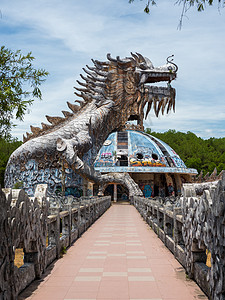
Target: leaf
{"points": [[147, 10], [200, 7], [19, 80]]}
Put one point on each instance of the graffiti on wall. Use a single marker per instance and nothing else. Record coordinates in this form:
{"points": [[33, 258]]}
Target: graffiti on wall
{"points": [[122, 193], [145, 157], [32, 175], [147, 188], [178, 162], [147, 162], [105, 159]]}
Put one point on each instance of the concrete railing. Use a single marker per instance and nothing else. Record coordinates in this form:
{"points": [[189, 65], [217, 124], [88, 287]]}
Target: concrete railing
{"points": [[42, 230], [193, 228], [166, 223], [65, 226]]}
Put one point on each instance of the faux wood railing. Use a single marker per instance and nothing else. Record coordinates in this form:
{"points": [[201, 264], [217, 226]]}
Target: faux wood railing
{"points": [[42, 230], [193, 228]]}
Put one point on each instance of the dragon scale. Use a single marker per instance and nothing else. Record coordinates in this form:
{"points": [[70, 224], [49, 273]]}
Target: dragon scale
{"points": [[111, 92]]}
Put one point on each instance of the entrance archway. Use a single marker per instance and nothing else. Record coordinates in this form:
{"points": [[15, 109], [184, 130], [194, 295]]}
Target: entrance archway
{"points": [[118, 192]]}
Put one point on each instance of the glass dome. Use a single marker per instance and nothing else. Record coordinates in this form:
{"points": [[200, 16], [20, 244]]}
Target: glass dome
{"points": [[135, 151]]}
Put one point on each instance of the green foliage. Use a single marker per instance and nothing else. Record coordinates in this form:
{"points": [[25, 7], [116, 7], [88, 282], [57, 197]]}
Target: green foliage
{"points": [[186, 4], [19, 86], [194, 151], [63, 251], [18, 185], [148, 3], [7, 146]]}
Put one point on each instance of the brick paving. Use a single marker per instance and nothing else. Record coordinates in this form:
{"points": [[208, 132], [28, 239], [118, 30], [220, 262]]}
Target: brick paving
{"points": [[118, 257]]}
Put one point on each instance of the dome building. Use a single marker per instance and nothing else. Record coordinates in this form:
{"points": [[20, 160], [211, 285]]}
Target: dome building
{"points": [[154, 165]]}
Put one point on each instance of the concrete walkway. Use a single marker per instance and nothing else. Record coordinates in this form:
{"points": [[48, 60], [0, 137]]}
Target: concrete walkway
{"points": [[119, 257]]}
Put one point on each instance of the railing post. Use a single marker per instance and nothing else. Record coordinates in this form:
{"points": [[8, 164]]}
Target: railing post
{"points": [[176, 211], [54, 232]]}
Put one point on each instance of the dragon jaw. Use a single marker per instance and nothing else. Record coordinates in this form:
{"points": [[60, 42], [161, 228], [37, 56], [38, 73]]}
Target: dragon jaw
{"points": [[160, 98], [139, 75]]}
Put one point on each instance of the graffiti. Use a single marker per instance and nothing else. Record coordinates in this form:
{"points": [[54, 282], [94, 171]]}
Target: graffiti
{"points": [[170, 190], [107, 143], [146, 163], [106, 155], [178, 162], [104, 163], [124, 197], [73, 191], [122, 193], [32, 175], [145, 157], [105, 160], [147, 188], [147, 191]]}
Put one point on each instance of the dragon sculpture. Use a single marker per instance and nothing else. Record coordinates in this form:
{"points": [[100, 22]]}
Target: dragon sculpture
{"points": [[111, 93]]}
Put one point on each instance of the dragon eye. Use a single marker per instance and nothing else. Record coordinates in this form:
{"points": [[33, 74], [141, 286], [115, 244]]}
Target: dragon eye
{"points": [[143, 66]]}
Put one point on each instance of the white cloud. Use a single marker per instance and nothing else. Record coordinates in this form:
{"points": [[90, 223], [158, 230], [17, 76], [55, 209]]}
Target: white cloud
{"points": [[65, 35]]}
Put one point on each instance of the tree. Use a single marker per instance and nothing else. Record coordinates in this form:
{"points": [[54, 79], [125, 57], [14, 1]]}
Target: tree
{"points": [[193, 162], [19, 86], [7, 146], [196, 153], [186, 5]]}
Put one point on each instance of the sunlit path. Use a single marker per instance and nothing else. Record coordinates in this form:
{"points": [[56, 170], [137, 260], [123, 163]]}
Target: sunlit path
{"points": [[119, 257]]}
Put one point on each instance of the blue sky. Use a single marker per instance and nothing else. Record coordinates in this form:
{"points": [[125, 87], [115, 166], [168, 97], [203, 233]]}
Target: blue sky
{"points": [[64, 35]]}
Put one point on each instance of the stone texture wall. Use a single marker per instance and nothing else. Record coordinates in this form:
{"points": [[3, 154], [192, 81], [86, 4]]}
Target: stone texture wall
{"points": [[42, 228], [190, 226]]}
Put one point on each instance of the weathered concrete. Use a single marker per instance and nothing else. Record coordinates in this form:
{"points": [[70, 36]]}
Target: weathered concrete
{"points": [[24, 223], [119, 257], [194, 224]]}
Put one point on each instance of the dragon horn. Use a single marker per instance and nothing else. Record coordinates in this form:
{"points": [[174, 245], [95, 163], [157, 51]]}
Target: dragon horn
{"points": [[140, 57], [78, 95], [135, 57], [80, 102], [172, 63], [110, 58], [45, 126], [81, 83], [120, 60], [80, 90], [89, 73], [90, 68]]}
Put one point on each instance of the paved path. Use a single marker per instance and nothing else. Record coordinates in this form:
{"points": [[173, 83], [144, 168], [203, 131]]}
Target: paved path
{"points": [[119, 257]]}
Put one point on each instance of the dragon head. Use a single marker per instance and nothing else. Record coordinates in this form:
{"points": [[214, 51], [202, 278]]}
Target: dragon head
{"points": [[120, 90], [127, 85]]}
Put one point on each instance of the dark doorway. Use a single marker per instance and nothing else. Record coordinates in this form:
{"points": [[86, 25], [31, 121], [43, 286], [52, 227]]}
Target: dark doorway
{"points": [[123, 160], [109, 191], [122, 193], [156, 190]]}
